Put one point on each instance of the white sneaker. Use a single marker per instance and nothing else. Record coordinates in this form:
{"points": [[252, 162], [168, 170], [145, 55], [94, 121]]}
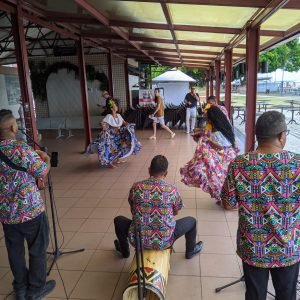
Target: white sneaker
{"points": [[152, 137], [187, 132], [173, 135]]}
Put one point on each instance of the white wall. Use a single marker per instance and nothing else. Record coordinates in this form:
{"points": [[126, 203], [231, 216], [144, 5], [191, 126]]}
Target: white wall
{"points": [[3, 91], [100, 64], [64, 97], [174, 92]]}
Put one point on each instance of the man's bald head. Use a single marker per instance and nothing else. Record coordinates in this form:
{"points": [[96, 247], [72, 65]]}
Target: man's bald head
{"points": [[8, 124], [269, 125]]}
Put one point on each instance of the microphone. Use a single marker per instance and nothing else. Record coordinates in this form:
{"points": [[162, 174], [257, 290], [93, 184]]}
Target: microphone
{"points": [[53, 155]]}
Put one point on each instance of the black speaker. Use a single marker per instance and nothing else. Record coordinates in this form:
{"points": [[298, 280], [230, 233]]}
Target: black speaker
{"points": [[64, 51], [222, 76], [54, 159], [242, 69], [263, 67], [236, 74]]}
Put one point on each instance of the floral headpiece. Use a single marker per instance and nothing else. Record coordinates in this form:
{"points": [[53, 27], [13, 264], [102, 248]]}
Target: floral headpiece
{"points": [[208, 126], [111, 104], [208, 106]]}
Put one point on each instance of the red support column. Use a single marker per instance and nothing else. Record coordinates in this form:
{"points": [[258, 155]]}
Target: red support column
{"points": [[84, 94], [127, 83], [23, 72], [252, 53], [207, 84], [228, 71], [218, 79], [211, 81], [110, 76]]}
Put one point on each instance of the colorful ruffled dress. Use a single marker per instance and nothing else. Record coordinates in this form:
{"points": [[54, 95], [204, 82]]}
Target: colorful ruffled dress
{"points": [[208, 167], [114, 141]]}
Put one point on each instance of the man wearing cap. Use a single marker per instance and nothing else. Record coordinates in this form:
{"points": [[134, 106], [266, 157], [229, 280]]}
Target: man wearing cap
{"points": [[265, 187], [191, 100]]}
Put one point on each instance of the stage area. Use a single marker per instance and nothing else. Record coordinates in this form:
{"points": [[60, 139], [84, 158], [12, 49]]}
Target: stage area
{"points": [[89, 197]]}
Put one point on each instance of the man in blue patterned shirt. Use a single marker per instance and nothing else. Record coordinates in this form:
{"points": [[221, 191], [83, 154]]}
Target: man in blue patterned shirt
{"points": [[265, 186], [154, 203], [22, 211]]}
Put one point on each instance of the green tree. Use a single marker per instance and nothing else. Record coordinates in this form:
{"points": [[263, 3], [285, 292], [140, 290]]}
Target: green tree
{"points": [[285, 57], [196, 73], [158, 70]]}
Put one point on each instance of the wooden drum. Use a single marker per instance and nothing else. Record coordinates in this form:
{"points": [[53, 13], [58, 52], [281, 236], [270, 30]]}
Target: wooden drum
{"points": [[156, 269]]}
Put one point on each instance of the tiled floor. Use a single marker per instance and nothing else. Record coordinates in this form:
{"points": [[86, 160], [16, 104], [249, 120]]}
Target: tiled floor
{"points": [[88, 198]]}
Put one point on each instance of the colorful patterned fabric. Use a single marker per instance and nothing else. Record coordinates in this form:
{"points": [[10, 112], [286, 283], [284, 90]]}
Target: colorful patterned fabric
{"points": [[114, 143], [266, 190], [208, 167], [20, 199], [224, 110], [154, 203]]}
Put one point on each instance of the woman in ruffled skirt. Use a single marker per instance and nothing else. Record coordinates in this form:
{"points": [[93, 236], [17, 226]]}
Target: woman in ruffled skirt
{"points": [[215, 150], [116, 140]]}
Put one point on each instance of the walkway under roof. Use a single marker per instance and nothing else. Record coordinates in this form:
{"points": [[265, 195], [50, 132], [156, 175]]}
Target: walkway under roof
{"points": [[168, 32]]}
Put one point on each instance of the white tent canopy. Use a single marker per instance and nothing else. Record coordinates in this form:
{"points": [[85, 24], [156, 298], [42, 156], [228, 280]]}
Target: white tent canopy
{"points": [[175, 85], [173, 75]]}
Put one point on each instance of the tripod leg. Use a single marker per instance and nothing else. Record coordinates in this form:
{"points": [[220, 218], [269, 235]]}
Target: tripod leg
{"points": [[137, 256], [217, 290], [143, 267], [56, 253], [271, 294]]}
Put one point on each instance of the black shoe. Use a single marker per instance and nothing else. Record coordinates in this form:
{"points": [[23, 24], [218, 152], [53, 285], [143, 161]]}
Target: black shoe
{"points": [[126, 254], [197, 249], [48, 288], [20, 296]]}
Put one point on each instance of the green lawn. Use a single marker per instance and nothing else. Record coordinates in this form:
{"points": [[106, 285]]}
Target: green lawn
{"points": [[240, 99], [274, 99]]}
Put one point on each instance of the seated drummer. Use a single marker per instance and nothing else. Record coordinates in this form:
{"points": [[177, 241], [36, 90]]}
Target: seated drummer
{"points": [[154, 204]]}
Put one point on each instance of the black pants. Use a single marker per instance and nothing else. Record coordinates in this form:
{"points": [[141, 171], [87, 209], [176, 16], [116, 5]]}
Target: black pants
{"points": [[36, 234], [186, 226], [284, 282]]}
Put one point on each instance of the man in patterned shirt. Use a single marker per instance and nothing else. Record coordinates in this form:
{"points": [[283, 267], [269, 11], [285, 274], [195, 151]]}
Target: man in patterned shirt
{"points": [[154, 203], [265, 186], [22, 211]]}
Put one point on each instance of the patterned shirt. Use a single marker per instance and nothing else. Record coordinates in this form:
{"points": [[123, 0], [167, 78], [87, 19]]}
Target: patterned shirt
{"points": [[266, 189], [154, 203], [20, 199], [224, 110]]}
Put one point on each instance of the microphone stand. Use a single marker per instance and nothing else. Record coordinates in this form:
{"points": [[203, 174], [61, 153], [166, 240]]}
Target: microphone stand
{"points": [[242, 279], [56, 251]]}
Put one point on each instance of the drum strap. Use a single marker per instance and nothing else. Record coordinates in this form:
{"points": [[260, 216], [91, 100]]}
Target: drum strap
{"points": [[140, 254], [4, 158]]}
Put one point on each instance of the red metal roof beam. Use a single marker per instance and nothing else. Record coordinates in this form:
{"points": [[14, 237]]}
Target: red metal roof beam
{"points": [[102, 19], [170, 25], [192, 28], [157, 40], [293, 4], [56, 16], [266, 13], [257, 19]]}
